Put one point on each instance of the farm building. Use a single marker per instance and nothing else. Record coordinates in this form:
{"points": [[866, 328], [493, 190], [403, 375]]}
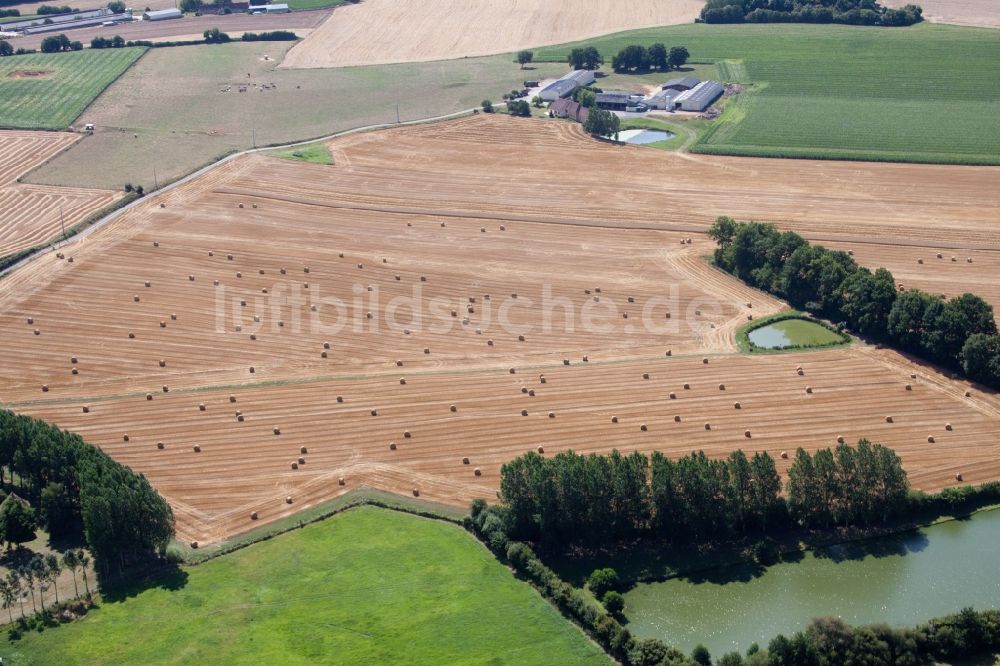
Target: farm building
{"points": [[162, 15], [613, 101], [566, 85], [662, 100], [280, 8], [567, 108], [681, 83], [700, 97]]}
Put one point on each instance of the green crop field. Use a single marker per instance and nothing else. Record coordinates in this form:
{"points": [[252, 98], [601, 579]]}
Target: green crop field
{"points": [[314, 4], [367, 586], [50, 90], [929, 93]]}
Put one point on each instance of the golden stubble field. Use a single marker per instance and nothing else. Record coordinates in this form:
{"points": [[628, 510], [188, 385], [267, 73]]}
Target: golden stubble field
{"points": [[33, 214], [378, 32], [433, 219]]}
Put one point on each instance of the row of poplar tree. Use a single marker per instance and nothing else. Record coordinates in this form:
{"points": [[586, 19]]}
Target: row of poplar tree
{"points": [[592, 500]]}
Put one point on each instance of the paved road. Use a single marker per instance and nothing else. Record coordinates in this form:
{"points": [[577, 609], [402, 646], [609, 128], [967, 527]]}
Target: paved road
{"points": [[189, 25]]}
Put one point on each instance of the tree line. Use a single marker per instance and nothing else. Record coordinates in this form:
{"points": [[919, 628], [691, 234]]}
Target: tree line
{"points": [[38, 575], [59, 43], [595, 500], [852, 12], [636, 58], [586, 57], [80, 490], [959, 333]]}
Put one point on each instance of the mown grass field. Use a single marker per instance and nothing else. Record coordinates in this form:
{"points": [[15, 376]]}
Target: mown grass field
{"points": [[929, 93], [368, 586], [71, 81]]}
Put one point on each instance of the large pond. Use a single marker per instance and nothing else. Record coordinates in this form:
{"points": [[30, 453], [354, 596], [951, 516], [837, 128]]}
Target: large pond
{"points": [[903, 580], [792, 333], [643, 136]]}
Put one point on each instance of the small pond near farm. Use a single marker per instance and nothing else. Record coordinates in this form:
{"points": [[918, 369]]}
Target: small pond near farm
{"points": [[644, 136], [792, 333], [902, 580]]}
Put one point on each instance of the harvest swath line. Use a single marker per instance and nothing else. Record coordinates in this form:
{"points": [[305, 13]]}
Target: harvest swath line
{"points": [[307, 214]]}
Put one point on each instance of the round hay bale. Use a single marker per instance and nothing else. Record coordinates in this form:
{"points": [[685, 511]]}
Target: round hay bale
{"points": [[552, 415], [888, 419], [253, 370], [643, 427], [86, 409], [708, 426], [968, 394], [239, 328], [277, 430], [482, 230], [406, 331], [673, 396], [361, 265], [340, 398], [149, 396], [514, 295], [201, 407], [800, 372], [302, 461], [913, 375], [697, 313], [631, 300], [31, 320], [148, 284], [305, 269], [614, 419], [687, 387], [746, 433], [668, 316], [260, 271], [173, 316], [784, 455], [74, 371], [264, 291], [70, 260], [239, 274], [392, 446], [125, 437], [163, 324], [586, 359], [624, 315], [840, 439], [677, 418], [645, 375], [215, 283], [531, 393], [423, 278], [197, 448], [341, 481], [135, 299], [541, 449], [288, 500], [920, 261], [232, 398], [809, 389], [427, 350], [503, 227], [737, 405], [513, 371], [241, 205], [161, 445], [930, 439], [705, 360], [305, 285], [166, 389], [958, 476], [194, 544], [477, 472], [253, 515], [947, 426], [240, 418], [722, 387], [520, 338], [453, 408], [416, 491], [72, 359], [374, 412], [565, 361], [909, 387], [406, 434], [211, 253], [969, 259], [465, 461], [524, 412], [253, 336], [542, 380], [163, 363], [282, 271], [668, 353], [953, 258]]}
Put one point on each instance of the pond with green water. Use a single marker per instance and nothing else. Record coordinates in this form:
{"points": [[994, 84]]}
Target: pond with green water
{"points": [[903, 580], [792, 333]]}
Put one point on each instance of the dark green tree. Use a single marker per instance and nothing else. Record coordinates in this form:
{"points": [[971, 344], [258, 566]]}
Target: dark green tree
{"points": [[524, 57], [17, 523], [678, 57]]}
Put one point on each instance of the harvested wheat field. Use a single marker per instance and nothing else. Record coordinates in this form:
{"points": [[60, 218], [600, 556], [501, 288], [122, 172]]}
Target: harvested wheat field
{"points": [[32, 214], [182, 337], [378, 32], [981, 13]]}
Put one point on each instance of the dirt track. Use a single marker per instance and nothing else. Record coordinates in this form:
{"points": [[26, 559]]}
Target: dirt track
{"points": [[574, 229], [390, 31], [32, 214]]}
